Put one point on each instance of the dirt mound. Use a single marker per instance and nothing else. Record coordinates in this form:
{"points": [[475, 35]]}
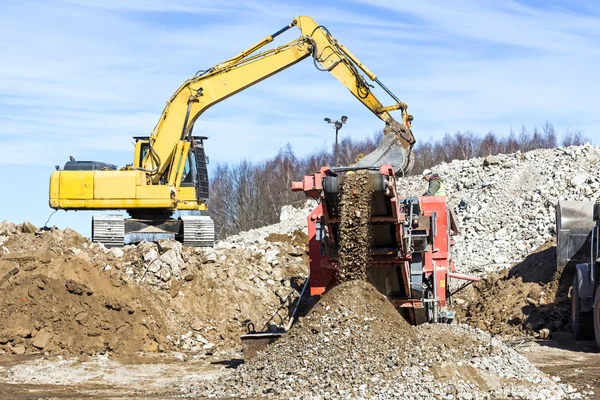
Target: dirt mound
{"points": [[354, 344], [54, 300], [148, 297], [354, 232], [529, 297], [297, 238]]}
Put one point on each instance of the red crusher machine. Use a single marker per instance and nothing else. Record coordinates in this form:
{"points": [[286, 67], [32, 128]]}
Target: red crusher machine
{"points": [[411, 257]]}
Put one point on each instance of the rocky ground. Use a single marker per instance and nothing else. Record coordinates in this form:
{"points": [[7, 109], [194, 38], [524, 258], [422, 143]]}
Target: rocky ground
{"points": [[62, 294], [354, 344], [69, 305]]}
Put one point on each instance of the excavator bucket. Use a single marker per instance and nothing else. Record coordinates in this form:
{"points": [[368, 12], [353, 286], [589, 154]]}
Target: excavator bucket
{"points": [[390, 151], [574, 224]]}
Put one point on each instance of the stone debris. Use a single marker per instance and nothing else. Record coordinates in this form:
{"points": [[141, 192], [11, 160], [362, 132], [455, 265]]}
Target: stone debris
{"points": [[291, 219], [354, 344], [354, 233], [62, 294], [510, 201]]}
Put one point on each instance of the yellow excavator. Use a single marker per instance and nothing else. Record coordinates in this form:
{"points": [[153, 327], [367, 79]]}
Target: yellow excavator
{"points": [[169, 172]]}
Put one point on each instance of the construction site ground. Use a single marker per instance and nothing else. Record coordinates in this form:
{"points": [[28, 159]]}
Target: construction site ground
{"points": [[575, 362], [80, 321], [157, 377], [86, 324]]}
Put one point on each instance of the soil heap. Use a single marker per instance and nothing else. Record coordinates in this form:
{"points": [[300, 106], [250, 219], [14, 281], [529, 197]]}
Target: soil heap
{"points": [[531, 298], [354, 344], [354, 229], [63, 294], [55, 300]]}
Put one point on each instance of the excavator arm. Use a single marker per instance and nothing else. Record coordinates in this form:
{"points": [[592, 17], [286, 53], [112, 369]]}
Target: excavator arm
{"points": [[223, 80]]}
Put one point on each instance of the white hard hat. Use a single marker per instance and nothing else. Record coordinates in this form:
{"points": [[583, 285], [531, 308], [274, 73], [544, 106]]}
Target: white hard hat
{"points": [[426, 172]]}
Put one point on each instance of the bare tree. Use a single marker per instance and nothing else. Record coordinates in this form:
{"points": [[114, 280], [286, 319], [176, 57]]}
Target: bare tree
{"points": [[248, 195], [549, 135], [489, 144]]}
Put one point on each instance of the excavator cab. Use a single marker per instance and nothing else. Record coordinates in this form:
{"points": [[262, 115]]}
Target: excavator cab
{"points": [[195, 173]]}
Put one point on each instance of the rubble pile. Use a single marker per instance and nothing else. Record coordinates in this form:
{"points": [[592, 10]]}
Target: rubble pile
{"points": [[511, 200], [291, 219], [354, 344], [156, 297], [216, 292], [54, 299], [62, 294]]}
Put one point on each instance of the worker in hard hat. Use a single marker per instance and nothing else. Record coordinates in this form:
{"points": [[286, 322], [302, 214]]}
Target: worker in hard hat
{"points": [[436, 184]]}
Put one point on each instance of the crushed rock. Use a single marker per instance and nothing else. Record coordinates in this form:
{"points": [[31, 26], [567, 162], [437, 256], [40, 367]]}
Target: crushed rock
{"points": [[354, 230], [354, 344]]}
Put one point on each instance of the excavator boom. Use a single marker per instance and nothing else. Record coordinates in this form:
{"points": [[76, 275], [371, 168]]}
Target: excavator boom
{"points": [[223, 80]]}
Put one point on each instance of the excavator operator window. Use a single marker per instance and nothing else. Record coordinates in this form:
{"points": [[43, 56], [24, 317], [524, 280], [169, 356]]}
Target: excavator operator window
{"points": [[188, 171], [142, 146], [143, 153]]}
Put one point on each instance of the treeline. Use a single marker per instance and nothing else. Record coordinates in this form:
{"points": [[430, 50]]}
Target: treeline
{"points": [[249, 195], [466, 145]]}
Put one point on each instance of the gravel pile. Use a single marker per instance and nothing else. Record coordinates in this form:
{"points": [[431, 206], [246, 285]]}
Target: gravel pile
{"points": [[354, 344], [511, 200]]}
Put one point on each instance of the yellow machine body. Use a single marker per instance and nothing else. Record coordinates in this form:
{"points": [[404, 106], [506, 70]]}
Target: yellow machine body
{"points": [[116, 190]]}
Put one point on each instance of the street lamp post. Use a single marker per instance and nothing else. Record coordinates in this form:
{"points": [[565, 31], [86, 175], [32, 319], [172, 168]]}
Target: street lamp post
{"points": [[337, 125]]}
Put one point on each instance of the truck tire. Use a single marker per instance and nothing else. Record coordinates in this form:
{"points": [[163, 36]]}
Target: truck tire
{"points": [[597, 316], [582, 322]]}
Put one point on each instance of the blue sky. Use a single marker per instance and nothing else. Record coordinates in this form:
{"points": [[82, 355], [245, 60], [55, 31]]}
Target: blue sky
{"points": [[81, 77]]}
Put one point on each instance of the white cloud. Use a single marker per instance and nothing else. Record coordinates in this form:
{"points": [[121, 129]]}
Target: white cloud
{"points": [[503, 22]]}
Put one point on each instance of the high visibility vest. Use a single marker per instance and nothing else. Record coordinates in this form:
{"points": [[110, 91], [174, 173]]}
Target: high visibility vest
{"points": [[442, 190]]}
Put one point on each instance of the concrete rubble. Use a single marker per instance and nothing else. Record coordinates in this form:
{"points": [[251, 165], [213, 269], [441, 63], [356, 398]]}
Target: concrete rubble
{"points": [[201, 299], [510, 200]]}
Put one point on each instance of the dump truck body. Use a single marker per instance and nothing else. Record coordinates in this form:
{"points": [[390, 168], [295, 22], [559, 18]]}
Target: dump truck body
{"points": [[578, 247]]}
